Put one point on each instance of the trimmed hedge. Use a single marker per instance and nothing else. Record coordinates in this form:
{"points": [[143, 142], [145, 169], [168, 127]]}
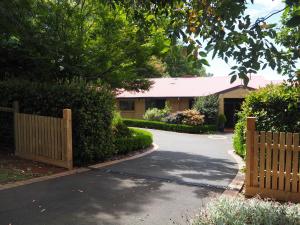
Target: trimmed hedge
{"points": [[139, 139], [276, 108], [92, 111], [170, 127]]}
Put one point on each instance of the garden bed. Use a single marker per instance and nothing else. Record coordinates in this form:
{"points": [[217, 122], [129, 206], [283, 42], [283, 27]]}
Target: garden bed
{"points": [[14, 169], [182, 128]]}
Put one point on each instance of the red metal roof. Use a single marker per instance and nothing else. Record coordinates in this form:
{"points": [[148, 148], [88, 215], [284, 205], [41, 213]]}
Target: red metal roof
{"points": [[194, 86]]}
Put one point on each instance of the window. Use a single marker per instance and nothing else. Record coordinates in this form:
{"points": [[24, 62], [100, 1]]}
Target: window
{"points": [[126, 105], [155, 103]]}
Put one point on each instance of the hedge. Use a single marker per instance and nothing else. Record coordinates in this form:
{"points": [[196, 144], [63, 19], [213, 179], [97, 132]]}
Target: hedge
{"points": [[140, 139], [276, 108], [170, 127], [91, 106]]}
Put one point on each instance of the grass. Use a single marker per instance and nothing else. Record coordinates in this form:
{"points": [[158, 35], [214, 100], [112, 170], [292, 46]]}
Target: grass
{"points": [[14, 169], [240, 211], [12, 175]]}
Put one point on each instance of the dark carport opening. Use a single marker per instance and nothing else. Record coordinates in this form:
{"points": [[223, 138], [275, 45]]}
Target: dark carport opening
{"points": [[231, 107]]}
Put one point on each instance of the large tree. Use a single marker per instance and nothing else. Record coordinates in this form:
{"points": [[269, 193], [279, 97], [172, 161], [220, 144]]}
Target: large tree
{"points": [[53, 39], [221, 26]]}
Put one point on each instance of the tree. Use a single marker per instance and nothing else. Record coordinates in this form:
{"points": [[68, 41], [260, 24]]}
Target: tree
{"points": [[223, 28], [48, 40], [179, 63]]}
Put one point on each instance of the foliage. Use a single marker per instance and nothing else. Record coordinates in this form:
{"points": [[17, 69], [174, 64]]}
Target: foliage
{"points": [[178, 63], [92, 132], [119, 128], [188, 117], [138, 140], [209, 107], [192, 117], [222, 120], [155, 114], [239, 139], [223, 28], [276, 108], [170, 127], [50, 40], [239, 211]]}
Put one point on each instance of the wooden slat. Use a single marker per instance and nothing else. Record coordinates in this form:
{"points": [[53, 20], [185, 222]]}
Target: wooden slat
{"points": [[268, 159], [54, 138], [64, 143], [255, 157], [262, 160], [275, 161], [288, 161], [281, 160], [295, 163]]}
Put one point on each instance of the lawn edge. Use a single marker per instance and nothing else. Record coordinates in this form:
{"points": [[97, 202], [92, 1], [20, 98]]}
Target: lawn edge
{"points": [[43, 178], [236, 185], [77, 170]]}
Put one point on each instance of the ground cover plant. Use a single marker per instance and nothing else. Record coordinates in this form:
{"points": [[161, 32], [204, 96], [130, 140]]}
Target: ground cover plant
{"points": [[240, 211]]}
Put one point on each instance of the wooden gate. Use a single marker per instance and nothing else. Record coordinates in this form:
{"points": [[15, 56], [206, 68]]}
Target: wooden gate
{"points": [[272, 164], [44, 139]]}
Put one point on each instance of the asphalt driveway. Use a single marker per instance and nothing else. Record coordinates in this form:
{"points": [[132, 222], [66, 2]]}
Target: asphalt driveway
{"points": [[167, 186]]}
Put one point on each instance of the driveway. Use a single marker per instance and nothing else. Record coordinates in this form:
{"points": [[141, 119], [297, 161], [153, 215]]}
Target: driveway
{"points": [[168, 186]]}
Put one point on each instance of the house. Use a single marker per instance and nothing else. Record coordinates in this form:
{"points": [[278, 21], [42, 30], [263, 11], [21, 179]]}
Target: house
{"points": [[181, 93]]}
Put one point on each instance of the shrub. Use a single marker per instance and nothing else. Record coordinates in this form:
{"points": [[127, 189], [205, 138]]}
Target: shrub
{"points": [[192, 117], [239, 211], [174, 118], [139, 139], [209, 107], [170, 127], [155, 114], [188, 117], [276, 108], [239, 139], [91, 106], [119, 128]]}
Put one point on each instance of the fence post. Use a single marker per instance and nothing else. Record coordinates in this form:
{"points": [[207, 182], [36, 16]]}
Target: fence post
{"points": [[67, 117], [16, 110], [250, 151]]}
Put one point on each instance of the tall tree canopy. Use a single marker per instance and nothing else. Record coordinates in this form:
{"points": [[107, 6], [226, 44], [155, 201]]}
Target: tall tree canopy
{"points": [[221, 26], [116, 40], [54, 39]]}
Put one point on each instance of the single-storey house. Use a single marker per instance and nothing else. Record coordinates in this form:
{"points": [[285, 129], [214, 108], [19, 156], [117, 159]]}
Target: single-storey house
{"points": [[181, 93]]}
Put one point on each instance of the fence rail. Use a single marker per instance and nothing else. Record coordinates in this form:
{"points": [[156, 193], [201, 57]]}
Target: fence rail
{"points": [[272, 166]]}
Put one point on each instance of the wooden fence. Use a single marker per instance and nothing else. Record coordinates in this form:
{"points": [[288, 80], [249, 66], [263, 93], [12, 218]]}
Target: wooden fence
{"points": [[272, 164], [44, 139]]}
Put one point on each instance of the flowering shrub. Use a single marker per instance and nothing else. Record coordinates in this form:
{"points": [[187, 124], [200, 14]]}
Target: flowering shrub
{"points": [[188, 117], [192, 117]]}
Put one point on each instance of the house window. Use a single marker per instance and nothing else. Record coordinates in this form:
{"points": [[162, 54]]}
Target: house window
{"points": [[126, 105], [158, 103]]}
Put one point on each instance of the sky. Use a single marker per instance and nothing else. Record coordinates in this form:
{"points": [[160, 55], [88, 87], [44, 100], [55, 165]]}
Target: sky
{"points": [[260, 8]]}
